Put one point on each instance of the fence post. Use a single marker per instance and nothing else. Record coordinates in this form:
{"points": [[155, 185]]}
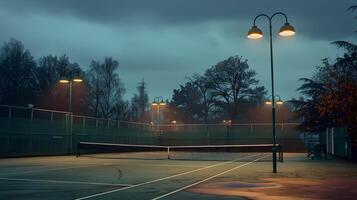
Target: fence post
{"points": [[327, 142], [51, 117], [71, 133], [84, 125], [333, 141], [9, 117], [31, 133]]}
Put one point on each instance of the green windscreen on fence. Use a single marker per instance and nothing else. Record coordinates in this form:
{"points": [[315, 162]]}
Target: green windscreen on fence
{"points": [[29, 131]]}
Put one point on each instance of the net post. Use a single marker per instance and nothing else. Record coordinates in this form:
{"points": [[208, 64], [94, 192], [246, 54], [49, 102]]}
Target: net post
{"points": [[78, 153], [168, 153], [281, 154]]}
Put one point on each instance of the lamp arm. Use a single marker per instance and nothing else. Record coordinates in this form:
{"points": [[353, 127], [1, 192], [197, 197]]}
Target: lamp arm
{"points": [[271, 17], [261, 15], [280, 13]]}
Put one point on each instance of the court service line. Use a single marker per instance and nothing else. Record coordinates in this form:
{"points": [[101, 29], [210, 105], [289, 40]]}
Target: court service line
{"points": [[58, 181], [206, 179], [161, 179], [157, 165]]}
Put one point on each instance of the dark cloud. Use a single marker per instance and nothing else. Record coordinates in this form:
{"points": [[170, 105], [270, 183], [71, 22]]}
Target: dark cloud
{"points": [[163, 41], [322, 19]]}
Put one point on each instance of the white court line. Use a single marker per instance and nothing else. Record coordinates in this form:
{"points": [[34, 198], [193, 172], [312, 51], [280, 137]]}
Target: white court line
{"points": [[161, 179], [46, 170], [157, 165], [58, 181], [206, 179]]}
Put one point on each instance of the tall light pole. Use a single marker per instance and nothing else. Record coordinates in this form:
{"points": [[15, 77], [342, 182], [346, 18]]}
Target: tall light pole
{"points": [[256, 33], [64, 80], [157, 102], [228, 123]]}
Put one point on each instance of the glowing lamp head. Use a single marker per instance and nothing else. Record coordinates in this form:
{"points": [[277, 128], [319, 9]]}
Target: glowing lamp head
{"points": [[154, 103], [63, 80], [227, 121], [269, 102], [279, 102], [162, 103], [77, 80], [287, 30], [255, 33]]}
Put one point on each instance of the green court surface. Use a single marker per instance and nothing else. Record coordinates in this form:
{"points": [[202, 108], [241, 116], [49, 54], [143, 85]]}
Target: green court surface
{"points": [[68, 177]]}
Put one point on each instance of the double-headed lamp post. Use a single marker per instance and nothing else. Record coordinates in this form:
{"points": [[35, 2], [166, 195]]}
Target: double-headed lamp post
{"points": [[277, 102], [157, 102], [228, 123], [256, 33], [64, 80]]}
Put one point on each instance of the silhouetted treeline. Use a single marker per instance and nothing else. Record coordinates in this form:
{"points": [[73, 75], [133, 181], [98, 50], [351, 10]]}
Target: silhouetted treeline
{"points": [[330, 95], [25, 80], [226, 90]]}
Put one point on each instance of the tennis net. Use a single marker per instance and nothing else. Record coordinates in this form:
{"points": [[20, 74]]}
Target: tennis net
{"points": [[199, 152]]}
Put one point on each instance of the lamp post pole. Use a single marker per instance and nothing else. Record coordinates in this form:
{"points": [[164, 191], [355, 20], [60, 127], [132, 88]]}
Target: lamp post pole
{"points": [[273, 97], [228, 124], [255, 33], [70, 96], [158, 101], [70, 85]]}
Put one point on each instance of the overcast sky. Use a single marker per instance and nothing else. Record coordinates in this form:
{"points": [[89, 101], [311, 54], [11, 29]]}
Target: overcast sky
{"points": [[164, 41]]}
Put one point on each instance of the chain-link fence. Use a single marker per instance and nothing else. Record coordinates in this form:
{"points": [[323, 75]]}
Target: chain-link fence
{"points": [[32, 131], [251, 133]]}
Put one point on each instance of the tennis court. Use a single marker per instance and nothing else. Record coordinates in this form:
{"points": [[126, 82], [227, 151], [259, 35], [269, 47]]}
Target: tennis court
{"points": [[195, 161], [100, 177]]}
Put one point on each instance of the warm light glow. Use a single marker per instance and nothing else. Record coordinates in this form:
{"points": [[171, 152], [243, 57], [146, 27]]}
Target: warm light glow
{"points": [[255, 33], [287, 33], [268, 102], [174, 122], [287, 30], [162, 103], [77, 80], [227, 121], [154, 103], [64, 81], [279, 102], [255, 36]]}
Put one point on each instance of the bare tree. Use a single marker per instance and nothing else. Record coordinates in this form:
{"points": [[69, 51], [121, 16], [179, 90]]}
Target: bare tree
{"points": [[234, 83], [208, 96], [106, 88], [17, 74]]}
